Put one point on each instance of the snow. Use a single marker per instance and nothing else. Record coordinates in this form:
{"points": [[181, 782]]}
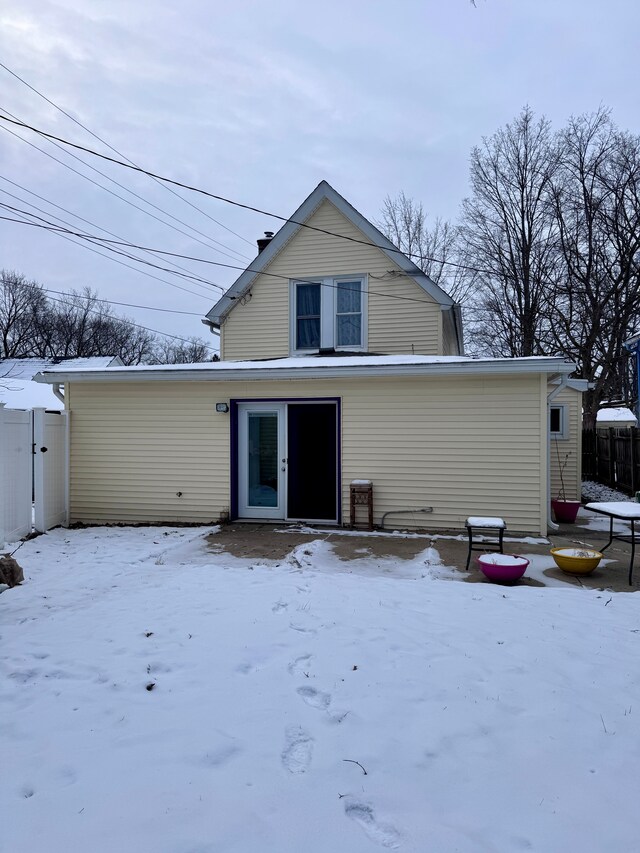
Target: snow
{"points": [[617, 414], [577, 552], [485, 521], [503, 559], [18, 391], [626, 509], [361, 482], [486, 718], [309, 362], [597, 492]]}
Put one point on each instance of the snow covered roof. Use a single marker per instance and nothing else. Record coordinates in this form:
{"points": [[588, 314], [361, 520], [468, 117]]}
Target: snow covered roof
{"points": [[324, 191], [19, 391], [621, 414], [308, 367]]}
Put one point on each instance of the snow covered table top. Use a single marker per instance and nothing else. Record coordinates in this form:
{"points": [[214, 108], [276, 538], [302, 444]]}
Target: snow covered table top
{"points": [[485, 521], [618, 509]]}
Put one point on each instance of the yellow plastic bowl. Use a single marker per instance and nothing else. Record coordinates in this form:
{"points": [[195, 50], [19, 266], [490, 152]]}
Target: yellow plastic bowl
{"points": [[576, 561]]}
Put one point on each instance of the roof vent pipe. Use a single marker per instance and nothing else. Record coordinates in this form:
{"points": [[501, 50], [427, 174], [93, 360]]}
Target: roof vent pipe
{"points": [[263, 242]]}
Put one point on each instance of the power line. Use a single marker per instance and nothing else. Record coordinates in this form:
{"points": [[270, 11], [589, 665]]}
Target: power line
{"points": [[120, 154], [137, 325], [126, 189], [238, 203], [108, 257], [93, 224], [51, 226], [126, 304], [104, 241]]}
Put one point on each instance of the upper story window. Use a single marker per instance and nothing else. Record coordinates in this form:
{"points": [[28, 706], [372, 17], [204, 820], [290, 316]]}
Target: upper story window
{"points": [[328, 314]]}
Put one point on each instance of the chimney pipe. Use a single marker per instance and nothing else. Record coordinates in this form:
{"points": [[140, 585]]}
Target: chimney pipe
{"points": [[263, 242]]}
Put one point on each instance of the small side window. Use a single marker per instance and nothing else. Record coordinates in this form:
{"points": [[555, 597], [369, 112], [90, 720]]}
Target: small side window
{"points": [[558, 421]]}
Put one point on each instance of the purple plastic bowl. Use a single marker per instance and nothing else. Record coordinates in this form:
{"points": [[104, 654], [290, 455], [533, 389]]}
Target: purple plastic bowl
{"points": [[503, 568]]}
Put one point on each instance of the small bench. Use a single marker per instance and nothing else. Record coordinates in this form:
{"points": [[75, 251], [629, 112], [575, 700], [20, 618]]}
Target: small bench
{"points": [[485, 524]]}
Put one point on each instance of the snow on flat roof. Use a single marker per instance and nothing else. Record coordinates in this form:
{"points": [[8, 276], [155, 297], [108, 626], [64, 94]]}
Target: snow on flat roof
{"points": [[617, 414], [19, 391], [308, 362]]}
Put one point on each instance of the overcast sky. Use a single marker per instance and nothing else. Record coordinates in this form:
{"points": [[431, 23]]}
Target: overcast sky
{"points": [[260, 101]]}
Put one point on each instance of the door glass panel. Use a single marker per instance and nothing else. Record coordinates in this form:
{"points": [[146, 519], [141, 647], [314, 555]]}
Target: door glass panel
{"points": [[263, 459]]}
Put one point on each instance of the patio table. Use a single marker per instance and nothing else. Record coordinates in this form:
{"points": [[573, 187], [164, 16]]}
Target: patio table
{"points": [[622, 511]]}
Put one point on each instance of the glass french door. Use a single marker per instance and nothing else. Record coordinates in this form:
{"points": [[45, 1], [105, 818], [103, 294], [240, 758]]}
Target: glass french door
{"points": [[262, 463]]}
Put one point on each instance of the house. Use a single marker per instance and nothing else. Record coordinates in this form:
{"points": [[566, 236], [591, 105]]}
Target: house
{"points": [[341, 361], [19, 391]]}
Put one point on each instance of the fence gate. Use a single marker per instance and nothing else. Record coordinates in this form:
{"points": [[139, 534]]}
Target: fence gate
{"points": [[33, 472], [16, 468]]}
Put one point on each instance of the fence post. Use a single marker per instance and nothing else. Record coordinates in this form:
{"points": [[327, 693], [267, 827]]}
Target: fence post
{"points": [[612, 458], [39, 494], [3, 476]]}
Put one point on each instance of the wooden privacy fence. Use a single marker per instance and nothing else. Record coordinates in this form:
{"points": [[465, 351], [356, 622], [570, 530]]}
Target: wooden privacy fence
{"points": [[612, 457], [33, 471]]}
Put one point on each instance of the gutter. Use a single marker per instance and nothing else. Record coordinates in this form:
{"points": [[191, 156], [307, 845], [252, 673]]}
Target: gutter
{"points": [[218, 373], [550, 397], [56, 390]]}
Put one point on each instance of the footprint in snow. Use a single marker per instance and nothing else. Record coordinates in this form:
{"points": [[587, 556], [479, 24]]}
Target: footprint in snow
{"points": [[301, 665], [315, 698], [279, 605], [381, 833], [298, 746], [302, 629]]}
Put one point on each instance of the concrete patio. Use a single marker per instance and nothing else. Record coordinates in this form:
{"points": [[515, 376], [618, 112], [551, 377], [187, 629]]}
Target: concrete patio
{"points": [[274, 542]]}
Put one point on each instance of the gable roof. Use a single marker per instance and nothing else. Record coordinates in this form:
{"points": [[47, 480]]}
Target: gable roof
{"points": [[19, 391], [322, 192]]}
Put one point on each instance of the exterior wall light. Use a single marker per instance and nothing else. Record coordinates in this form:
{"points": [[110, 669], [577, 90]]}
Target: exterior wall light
{"points": [[222, 407]]}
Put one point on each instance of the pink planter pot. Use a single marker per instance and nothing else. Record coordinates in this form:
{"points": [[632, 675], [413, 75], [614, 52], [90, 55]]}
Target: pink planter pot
{"points": [[565, 512], [503, 568]]}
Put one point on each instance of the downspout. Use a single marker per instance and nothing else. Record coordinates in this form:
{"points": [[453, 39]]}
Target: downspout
{"points": [[550, 397], [56, 390]]}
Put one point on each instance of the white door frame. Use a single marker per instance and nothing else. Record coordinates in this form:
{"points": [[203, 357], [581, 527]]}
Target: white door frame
{"points": [[245, 510]]}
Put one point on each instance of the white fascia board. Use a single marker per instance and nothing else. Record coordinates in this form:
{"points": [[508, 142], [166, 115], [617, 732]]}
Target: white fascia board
{"points": [[497, 367], [576, 384], [322, 192]]}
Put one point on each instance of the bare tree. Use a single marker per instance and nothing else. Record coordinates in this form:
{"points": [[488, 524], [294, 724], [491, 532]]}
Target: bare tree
{"points": [[508, 228], [22, 303], [82, 325], [182, 352], [597, 208], [437, 250]]}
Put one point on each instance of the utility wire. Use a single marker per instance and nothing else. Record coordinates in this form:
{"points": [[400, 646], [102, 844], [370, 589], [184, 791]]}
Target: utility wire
{"points": [[238, 203], [124, 157], [125, 304], [108, 257], [88, 221], [103, 241], [126, 189], [137, 325]]}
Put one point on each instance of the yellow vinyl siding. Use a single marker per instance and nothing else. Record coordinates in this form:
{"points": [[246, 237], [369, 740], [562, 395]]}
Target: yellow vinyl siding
{"points": [[572, 473], [464, 446], [450, 345], [258, 326]]}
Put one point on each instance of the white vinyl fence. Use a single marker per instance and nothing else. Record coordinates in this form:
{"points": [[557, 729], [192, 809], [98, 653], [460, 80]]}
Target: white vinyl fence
{"points": [[33, 471]]}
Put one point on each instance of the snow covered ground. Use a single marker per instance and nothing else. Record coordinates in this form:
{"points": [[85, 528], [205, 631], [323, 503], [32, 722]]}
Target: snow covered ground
{"points": [[161, 697]]}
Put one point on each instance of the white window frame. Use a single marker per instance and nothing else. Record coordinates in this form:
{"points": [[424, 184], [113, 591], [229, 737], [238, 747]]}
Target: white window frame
{"points": [[328, 316], [563, 432]]}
